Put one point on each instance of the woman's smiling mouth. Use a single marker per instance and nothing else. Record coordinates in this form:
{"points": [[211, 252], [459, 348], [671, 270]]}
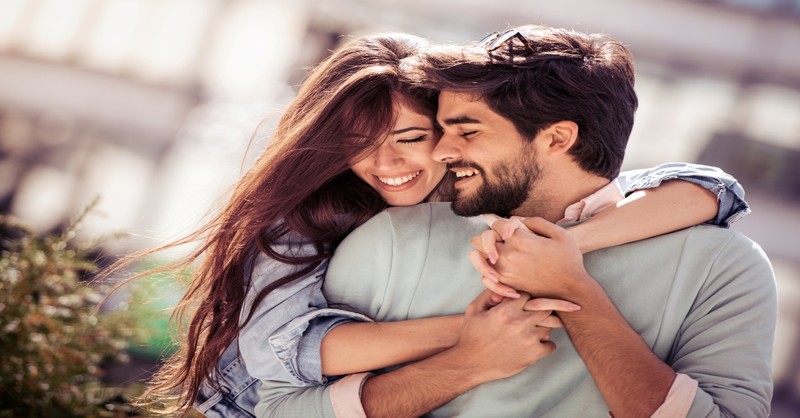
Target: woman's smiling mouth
{"points": [[398, 181]]}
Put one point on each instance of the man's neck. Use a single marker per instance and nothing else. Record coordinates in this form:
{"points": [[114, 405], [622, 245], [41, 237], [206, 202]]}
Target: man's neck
{"points": [[556, 191]]}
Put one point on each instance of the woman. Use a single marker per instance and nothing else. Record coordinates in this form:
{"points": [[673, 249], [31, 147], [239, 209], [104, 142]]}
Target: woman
{"points": [[355, 140]]}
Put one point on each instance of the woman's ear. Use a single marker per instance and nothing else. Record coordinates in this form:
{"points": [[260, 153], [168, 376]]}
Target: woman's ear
{"points": [[560, 137]]}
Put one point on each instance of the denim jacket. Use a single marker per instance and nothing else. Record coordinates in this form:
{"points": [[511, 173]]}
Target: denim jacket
{"points": [[730, 194], [282, 340]]}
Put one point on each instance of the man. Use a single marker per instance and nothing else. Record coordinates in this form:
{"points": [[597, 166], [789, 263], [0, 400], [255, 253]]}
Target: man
{"points": [[534, 120]]}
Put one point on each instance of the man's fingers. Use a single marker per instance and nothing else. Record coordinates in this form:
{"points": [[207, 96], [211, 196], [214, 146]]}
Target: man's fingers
{"points": [[518, 303], [499, 289], [544, 334], [496, 299], [536, 317], [547, 304], [551, 321], [483, 302], [545, 228], [548, 346]]}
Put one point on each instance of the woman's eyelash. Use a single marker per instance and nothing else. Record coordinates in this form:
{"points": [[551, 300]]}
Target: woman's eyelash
{"points": [[412, 140]]}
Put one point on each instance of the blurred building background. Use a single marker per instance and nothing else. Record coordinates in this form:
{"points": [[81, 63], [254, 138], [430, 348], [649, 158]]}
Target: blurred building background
{"points": [[151, 104]]}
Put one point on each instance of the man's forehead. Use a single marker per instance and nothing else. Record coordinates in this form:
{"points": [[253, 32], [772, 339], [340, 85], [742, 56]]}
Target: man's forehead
{"points": [[458, 105], [456, 97]]}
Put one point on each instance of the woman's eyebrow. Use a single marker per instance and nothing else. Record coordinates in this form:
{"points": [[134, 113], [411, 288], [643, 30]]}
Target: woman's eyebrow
{"points": [[411, 128]]}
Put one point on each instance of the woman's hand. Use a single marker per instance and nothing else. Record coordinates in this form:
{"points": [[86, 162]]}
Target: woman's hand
{"points": [[545, 306], [486, 254], [528, 254], [551, 306]]}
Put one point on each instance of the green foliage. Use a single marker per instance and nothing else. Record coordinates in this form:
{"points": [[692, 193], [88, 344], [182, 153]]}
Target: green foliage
{"points": [[52, 342], [151, 301]]}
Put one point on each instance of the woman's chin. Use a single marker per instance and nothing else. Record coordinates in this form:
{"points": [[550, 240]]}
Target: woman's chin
{"points": [[403, 200]]}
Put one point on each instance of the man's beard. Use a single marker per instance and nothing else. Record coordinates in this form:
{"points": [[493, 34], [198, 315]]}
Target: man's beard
{"points": [[514, 182]]}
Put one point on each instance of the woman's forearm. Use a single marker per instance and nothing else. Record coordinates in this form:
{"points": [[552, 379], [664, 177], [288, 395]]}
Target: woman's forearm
{"points": [[362, 346], [647, 213]]}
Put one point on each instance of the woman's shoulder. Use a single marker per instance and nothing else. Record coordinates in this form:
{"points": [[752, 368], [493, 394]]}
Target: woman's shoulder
{"points": [[290, 245]]}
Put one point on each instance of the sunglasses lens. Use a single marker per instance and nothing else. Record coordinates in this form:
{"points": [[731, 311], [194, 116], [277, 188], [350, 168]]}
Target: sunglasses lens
{"points": [[502, 39], [488, 39]]}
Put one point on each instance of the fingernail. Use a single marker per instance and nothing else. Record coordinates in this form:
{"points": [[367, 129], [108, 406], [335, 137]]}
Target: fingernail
{"points": [[493, 257], [511, 294], [574, 307]]}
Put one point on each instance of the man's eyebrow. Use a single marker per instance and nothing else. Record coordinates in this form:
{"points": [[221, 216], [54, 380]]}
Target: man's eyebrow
{"points": [[460, 120], [410, 128]]}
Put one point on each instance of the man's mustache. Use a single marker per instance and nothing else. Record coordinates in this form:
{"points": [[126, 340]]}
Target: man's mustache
{"points": [[459, 165]]}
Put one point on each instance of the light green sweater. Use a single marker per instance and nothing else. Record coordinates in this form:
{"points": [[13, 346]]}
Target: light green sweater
{"points": [[703, 299]]}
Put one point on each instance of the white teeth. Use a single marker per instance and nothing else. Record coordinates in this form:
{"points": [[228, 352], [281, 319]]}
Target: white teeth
{"points": [[466, 173], [396, 181]]}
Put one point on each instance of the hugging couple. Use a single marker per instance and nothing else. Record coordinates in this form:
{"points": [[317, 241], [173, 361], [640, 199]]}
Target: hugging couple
{"points": [[444, 230]]}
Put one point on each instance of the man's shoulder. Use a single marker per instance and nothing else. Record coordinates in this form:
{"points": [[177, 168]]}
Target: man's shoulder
{"points": [[707, 255], [691, 254], [733, 255], [407, 233], [433, 221], [406, 262], [727, 242], [704, 238], [423, 234]]}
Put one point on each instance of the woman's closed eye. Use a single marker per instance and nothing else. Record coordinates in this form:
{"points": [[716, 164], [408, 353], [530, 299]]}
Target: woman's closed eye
{"points": [[468, 133], [412, 140]]}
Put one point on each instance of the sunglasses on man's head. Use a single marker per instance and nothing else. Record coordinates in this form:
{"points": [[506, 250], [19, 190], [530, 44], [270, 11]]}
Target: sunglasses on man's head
{"points": [[520, 50], [497, 40]]}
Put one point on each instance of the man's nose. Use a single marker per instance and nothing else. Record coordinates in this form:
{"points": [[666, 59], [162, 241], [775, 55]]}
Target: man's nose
{"points": [[448, 149]]}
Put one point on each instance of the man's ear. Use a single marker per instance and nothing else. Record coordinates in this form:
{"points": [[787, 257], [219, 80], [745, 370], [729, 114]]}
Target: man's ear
{"points": [[560, 137]]}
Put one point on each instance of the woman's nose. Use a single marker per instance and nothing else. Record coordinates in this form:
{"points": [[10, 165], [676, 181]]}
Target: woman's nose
{"points": [[387, 157]]}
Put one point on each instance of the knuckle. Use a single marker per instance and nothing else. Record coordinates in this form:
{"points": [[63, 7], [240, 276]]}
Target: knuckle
{"points": [[499, 224], [476, 242]]}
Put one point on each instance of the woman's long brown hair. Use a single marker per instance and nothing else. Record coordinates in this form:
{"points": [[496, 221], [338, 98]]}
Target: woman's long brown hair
{"points": [[300, 184]]}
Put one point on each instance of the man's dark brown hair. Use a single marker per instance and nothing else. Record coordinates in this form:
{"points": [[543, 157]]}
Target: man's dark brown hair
{"points": [[536, 76]]}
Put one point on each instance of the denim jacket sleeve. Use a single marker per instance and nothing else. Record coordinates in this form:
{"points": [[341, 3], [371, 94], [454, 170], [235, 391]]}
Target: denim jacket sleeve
{"points": [[729, 192], [282, 339]]}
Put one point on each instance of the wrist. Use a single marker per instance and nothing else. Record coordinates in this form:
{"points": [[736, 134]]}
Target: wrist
{"points": [[453, 330], [579, 284], [468, 372], [589, 295], [582, 237], [572, 286], [447, 332]]}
